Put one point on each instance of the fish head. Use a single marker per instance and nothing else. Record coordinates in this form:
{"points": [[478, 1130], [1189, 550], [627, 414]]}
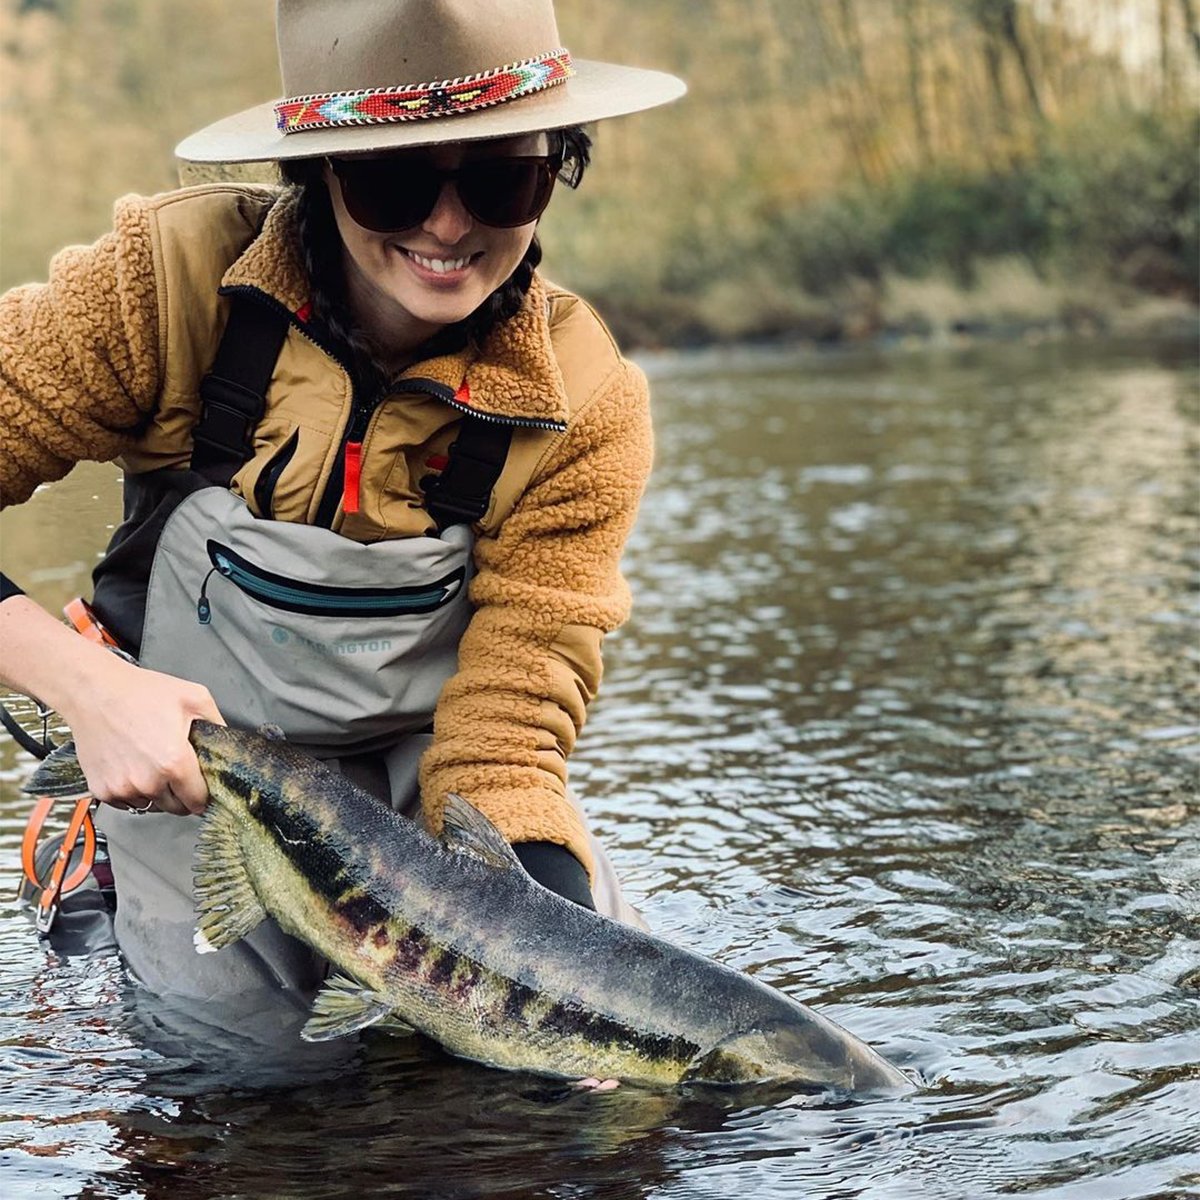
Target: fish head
{"points": [[807, 1050], [241, 768]]}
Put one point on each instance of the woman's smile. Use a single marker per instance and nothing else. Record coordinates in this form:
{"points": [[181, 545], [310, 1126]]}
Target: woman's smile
{"points": [[440, 268]]}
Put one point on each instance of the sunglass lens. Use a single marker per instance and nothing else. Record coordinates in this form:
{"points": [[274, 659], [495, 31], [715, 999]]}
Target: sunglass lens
{"points": [[388, 195], [506, 192]]}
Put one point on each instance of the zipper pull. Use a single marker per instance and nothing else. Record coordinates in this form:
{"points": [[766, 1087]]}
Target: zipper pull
{"points": [[203, 608], [351, 476]]}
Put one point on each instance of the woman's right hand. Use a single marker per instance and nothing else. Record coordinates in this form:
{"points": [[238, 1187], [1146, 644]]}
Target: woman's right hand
{"points": [[131, 735], [130, 724]]}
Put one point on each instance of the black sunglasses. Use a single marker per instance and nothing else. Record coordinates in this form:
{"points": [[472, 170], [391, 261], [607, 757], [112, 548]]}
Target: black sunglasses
{"points": [[397, 192]]}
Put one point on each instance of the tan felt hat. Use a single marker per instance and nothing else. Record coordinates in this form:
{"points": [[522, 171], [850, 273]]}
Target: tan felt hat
{"points": [[368, 75]]}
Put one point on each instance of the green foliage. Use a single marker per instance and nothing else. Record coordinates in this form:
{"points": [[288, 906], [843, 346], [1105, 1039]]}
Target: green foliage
{"points": [[953, 219], [1115, 189], [1093, 195]]}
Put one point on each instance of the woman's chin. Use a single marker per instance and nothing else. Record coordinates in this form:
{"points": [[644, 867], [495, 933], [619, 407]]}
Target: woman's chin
{"points": [[435, 306]]}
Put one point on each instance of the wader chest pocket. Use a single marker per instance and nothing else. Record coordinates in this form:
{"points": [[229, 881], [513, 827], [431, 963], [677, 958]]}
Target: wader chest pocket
{"points": [[295, 595]]}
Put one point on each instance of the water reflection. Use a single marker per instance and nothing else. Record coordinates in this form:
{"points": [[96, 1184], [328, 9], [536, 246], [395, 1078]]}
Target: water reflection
{"points": [[905, 724]]}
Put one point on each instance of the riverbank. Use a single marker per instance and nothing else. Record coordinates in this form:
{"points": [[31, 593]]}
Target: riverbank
{"points": [[1094, 229], [927, 174], [1009, 300]]}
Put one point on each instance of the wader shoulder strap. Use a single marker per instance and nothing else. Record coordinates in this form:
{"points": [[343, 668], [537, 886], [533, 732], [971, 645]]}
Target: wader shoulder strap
{"points": [[233, 399], [233, 393], [462, 493]]}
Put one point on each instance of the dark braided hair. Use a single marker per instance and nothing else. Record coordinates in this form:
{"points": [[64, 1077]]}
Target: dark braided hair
{"points": [[321, 248]]}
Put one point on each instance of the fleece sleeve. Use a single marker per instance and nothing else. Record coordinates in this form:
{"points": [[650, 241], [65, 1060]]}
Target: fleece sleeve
{"points": [[548, 586], [79, 357]]}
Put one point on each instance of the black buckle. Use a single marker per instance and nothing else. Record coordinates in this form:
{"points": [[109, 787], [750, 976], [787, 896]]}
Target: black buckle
{"points": [[230, 414], [467, 509]]}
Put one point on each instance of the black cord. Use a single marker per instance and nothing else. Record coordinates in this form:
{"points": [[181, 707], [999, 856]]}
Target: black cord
{"points": [[24, 739]]}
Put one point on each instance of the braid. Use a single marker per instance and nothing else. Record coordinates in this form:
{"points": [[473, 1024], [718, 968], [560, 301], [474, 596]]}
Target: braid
{"points": [[321, 249]]}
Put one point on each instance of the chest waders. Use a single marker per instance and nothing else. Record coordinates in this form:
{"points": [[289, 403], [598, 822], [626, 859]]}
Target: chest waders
{"points": [[344, 645]]}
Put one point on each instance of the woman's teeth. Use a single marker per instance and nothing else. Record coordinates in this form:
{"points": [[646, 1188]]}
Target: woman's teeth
{"points": [[440, 265]]}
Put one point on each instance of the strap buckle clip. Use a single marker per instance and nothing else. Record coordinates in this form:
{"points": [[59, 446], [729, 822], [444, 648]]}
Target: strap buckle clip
{"points": [[230, 414], [452, 509]]}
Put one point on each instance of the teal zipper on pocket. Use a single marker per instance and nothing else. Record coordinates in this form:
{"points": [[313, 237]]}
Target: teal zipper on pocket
{"points": [[314, 599]]}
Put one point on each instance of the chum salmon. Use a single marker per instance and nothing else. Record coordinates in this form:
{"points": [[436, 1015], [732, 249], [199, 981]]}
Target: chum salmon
{"points": [[451, 937]]}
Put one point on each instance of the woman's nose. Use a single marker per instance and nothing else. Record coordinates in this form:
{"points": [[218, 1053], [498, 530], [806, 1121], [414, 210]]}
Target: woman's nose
{"points": [[449, 221]]}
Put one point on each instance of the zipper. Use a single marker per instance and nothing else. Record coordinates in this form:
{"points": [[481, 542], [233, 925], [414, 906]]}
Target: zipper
{"points": [[257, 294], [295, 595], [516, 422], [355, 433], [350, 451], [264, 488]]}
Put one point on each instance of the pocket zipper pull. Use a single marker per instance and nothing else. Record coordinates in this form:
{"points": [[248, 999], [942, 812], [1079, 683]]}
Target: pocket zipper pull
{"points": [[203, 608]]}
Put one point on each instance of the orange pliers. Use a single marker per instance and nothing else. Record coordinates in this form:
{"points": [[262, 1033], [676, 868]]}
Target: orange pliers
{"points": [[62, 879]]}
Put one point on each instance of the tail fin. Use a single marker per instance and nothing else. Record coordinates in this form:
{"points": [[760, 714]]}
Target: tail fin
{"points": [[58, 775]]}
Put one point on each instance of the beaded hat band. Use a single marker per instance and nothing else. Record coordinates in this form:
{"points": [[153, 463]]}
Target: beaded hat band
{"points": [[422, 101]]}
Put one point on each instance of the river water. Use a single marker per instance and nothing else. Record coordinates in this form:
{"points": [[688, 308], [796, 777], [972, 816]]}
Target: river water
{"points": [[905, 724]]}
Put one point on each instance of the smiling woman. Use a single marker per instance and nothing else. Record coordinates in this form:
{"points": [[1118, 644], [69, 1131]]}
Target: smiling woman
{"points": [[349, 412]]}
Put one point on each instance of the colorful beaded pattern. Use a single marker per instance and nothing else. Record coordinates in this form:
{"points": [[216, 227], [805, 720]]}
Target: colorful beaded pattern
{"points": [[419, 101]]}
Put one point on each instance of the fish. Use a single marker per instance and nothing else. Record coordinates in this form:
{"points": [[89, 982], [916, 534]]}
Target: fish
{"points": [[450, 936]]}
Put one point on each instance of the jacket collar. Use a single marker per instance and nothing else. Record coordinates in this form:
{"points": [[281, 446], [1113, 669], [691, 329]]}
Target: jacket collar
{"points": [[514, 375]]}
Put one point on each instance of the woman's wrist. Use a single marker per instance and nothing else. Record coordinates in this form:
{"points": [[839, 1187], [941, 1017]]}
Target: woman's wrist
{"points": [[41, 656], [556, 868]]}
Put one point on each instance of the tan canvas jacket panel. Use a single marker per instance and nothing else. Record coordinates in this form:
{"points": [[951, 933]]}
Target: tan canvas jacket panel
{"points": [[104, 362]]}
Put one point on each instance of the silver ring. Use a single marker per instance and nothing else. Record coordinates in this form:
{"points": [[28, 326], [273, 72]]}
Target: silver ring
{"points": [[138, 811]]}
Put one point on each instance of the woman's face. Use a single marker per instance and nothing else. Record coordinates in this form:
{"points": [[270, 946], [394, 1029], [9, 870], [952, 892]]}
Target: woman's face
{"points": [[405, 286]]}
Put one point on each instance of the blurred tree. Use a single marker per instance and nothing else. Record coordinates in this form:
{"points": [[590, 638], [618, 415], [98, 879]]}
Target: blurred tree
{"points": [[1192, 25], [999, 21]]}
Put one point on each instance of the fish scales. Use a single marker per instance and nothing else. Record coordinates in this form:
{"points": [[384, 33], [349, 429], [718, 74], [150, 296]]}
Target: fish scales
{"points": [[592, 1020], [451, 936], [437, 978]]}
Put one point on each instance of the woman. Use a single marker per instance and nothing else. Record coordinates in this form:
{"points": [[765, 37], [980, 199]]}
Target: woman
{"points": [[337, 406]]}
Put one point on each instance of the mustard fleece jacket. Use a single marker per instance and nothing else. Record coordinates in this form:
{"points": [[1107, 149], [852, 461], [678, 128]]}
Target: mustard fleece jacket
{"points": [[104, 362]]}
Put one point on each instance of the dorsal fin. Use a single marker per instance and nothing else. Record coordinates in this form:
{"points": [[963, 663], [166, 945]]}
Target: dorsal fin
{"points": [[467, 830]]}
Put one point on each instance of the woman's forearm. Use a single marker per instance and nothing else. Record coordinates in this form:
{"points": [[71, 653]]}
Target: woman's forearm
{"points": [[130, 725]]}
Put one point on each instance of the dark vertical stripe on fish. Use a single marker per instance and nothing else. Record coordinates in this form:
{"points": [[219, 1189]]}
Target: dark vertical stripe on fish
{"points": [[441, 970], [361, 910]]}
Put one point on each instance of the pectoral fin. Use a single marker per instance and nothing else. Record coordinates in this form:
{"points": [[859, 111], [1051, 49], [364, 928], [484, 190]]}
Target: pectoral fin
{"points": [[227, 906], [467, 830], [342, 1007]]}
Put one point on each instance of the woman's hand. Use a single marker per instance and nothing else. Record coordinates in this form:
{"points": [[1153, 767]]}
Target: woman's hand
{"points": [[130, 724], [131, 735]]}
